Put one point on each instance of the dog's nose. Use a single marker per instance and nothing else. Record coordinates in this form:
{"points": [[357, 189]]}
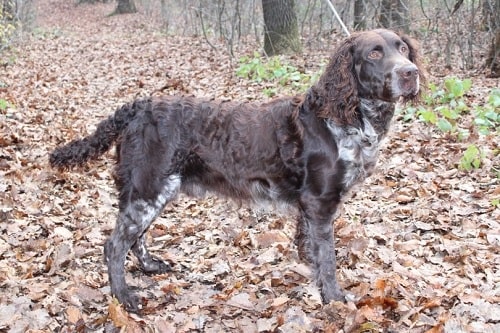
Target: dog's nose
{"points": [[408, 71]]}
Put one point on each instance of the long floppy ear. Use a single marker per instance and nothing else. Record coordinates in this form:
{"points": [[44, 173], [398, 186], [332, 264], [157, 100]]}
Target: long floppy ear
{"points": [[338, 87], [415, 58]]}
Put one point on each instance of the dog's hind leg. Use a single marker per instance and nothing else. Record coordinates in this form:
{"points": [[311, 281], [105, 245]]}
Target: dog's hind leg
{"points": [[135, 217], [148, 263]]}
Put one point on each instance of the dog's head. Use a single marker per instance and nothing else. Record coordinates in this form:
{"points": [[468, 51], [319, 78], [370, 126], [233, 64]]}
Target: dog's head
{"points": [[377, 65]]}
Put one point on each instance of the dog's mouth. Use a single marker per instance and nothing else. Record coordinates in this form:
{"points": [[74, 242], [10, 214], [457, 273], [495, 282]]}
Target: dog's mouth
{"points": [[403, 81], [409, 89], [405, 87], [407, 81], [397, 87]]}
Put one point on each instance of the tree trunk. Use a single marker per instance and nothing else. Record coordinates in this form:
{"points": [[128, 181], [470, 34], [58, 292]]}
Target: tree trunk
{"points": [[281, 33], [384, 17], [125, 7], [91, 1], [359, 15], [493, 60], [491, 19], [401, 16], [394, 15]]}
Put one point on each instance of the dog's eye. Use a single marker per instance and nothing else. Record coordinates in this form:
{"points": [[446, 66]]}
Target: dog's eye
{"points": [[403, 49], [375, 54]]}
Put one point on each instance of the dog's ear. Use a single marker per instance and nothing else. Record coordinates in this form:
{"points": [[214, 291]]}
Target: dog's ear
{"points": [[338, 85], [313, 100], [414, 56]]}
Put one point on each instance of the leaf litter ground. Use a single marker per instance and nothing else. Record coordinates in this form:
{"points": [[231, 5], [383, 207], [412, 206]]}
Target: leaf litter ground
{"points": [[418, 243]]}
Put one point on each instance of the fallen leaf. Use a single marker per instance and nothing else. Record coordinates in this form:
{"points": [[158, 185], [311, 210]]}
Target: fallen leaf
{"points": [[241, 300], [73, 314], [118, 315]]}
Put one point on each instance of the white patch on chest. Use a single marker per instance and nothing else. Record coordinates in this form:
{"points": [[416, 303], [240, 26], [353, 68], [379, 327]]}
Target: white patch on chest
{"points": [[358, 149]]}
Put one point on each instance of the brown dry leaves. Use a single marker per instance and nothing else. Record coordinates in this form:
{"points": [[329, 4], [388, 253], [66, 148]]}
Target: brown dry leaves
{"points": [[418, 244]]}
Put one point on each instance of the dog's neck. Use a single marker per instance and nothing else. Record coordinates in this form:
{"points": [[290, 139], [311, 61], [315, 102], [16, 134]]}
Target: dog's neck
{"points": [[358, 145], [379, 113]]}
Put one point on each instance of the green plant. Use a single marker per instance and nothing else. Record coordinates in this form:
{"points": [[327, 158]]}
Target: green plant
{"points": [[444, 106], [487, 117], [273, 70], [495, 202], [15, 16], [471, 158], [3, 104], [43, 33], [7, 27]]}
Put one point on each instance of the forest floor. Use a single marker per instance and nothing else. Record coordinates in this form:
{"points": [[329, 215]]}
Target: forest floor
{"points": [[418, 243]]}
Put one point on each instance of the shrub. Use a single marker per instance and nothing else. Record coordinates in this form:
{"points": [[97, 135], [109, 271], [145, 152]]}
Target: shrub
{"points": [[445, 107], [7, 26], [14, 16]]}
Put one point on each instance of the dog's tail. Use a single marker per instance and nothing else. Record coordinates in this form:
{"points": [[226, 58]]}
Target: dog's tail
{"points": [[78, 152]]}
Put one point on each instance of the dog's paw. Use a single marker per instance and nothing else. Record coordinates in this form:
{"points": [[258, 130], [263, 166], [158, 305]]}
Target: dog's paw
{"points": [[130, 302], [155, 266], [333, 293]]}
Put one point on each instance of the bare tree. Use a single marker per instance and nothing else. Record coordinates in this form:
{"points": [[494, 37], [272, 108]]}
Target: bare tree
{"points": [[394, 15], [281, 33], [92, 1], [466, 31], [493, 60], [359, 15], [125, 7], [491, 18]]}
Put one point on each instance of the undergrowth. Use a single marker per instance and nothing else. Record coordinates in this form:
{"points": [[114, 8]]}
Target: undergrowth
{"points": [[274, 70], [7, 24], [447, 108], [15, 16]]}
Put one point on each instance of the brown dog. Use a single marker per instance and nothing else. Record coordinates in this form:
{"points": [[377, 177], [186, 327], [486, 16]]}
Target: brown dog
{"points": [[307, 151]]}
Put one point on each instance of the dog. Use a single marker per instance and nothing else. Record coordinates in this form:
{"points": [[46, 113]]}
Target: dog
{"points": [[307, 151]]}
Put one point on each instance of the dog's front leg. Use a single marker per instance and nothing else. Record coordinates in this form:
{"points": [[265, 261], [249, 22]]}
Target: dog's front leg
{"points": [[316, 243]]}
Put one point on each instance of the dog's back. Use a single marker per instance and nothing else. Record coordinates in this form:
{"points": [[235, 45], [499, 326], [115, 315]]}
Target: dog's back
{"points": [[216, 145]]}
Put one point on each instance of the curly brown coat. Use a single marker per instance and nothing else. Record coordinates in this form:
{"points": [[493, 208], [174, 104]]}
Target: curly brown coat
{"points": [[307, 151]]}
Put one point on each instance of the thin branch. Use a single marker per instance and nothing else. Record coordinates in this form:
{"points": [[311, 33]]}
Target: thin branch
{"points": [[338, 17], [203, 28]]}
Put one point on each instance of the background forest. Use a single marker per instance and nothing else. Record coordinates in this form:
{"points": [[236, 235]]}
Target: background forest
{"points": [[419, 243]]}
